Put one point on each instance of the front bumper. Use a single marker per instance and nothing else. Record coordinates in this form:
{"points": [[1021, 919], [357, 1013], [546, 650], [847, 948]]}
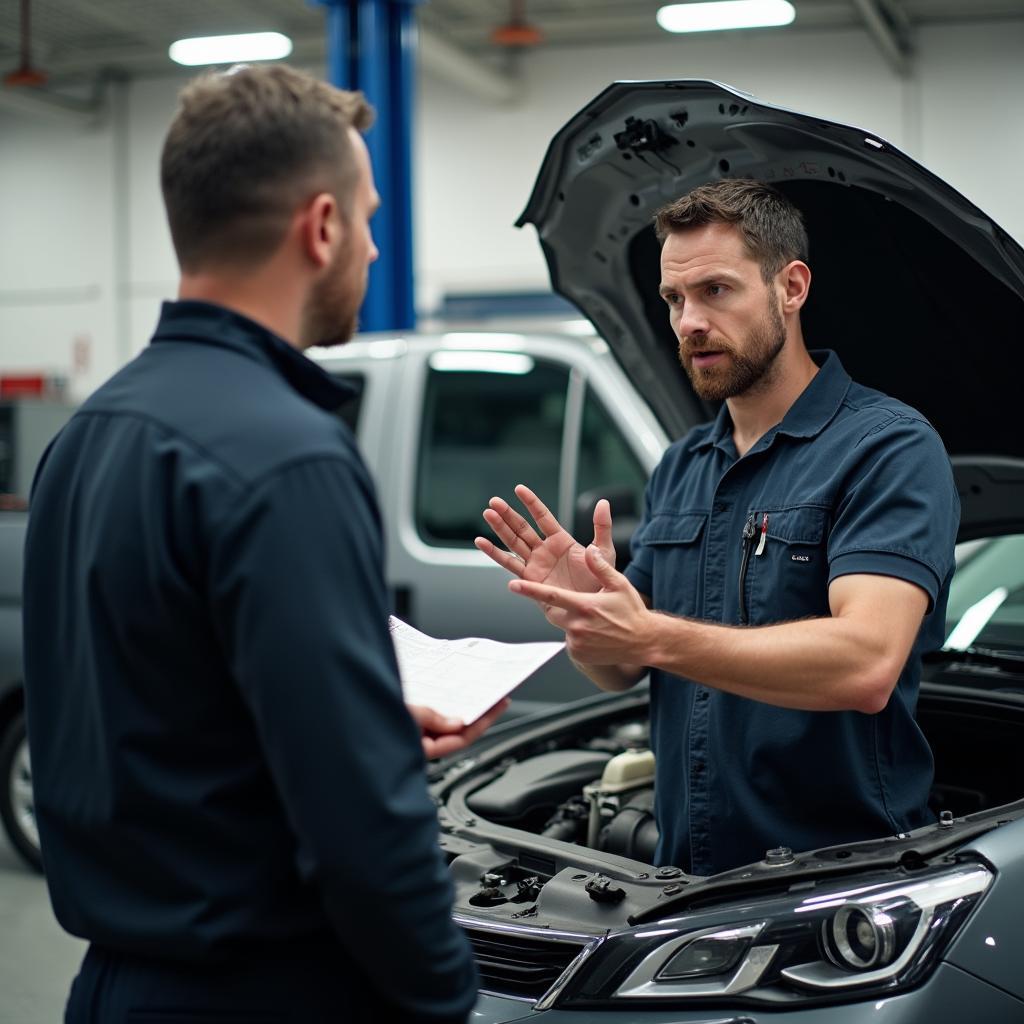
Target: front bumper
{"points": [[951, 996]]}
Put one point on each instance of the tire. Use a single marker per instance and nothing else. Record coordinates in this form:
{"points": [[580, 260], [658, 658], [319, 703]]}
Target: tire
{"points": [[17, 811]]}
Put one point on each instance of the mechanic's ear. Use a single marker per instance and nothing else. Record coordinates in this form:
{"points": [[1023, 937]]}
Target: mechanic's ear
{"points": [[795, 280]]}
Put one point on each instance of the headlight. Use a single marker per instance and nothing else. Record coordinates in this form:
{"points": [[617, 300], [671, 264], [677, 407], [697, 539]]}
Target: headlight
{"points": [[858, 937], [878, 936]]}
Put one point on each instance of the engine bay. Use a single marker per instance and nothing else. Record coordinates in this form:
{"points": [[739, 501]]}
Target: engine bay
{"points": [[555, 826], [600, 794]]}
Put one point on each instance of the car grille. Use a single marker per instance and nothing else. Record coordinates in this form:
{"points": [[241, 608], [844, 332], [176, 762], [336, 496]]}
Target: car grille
{"points": [[520, 965]]}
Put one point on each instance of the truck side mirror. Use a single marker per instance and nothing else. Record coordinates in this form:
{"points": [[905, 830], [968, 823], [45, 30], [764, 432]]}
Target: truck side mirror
{"points": [[625, 518]]}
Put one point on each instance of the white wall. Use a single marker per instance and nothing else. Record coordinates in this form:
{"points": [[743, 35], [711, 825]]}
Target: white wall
{"points": [[85, 254], [56, 245]]}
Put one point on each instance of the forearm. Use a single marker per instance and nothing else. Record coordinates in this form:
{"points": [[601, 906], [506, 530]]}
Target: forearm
{"points": [[851, 660], [824, 664]]}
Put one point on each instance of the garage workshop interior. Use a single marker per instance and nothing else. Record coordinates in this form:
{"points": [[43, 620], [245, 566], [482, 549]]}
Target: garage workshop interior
{"points": [[290, 730]]}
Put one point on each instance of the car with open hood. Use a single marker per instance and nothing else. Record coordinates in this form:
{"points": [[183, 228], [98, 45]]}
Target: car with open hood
{"points": [[548, 823]]}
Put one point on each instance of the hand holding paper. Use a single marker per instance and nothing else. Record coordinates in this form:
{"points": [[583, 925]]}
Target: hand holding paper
{"points": [[443, 736], [462, 679]]}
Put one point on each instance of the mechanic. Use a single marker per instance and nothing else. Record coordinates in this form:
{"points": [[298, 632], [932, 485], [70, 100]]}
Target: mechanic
{"points": [[230, 791], [792, 564]]}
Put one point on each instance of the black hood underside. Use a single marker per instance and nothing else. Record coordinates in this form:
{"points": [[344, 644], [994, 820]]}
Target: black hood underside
{"points": [[920, 293]]}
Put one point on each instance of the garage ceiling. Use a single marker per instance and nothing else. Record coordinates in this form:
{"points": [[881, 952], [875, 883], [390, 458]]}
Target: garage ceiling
{"points": [[80, 39]]}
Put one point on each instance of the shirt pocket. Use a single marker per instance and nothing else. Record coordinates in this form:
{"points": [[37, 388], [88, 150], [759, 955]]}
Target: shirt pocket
{"points": [[789, 578], [676, 543]]}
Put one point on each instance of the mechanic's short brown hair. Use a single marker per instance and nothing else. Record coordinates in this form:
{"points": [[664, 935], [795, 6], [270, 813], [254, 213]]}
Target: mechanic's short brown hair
{"points": [[245, 149], [772, 227]]}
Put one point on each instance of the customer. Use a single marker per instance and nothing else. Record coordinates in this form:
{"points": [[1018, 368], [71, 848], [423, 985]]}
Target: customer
{"points": [[792, 564], [230, 791]]}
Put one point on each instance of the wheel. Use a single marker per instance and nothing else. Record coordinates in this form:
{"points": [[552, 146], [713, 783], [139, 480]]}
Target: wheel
{"points": [[17, 809]]}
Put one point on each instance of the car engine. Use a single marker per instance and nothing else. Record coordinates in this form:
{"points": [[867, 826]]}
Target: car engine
{"points": [[600, 794]]}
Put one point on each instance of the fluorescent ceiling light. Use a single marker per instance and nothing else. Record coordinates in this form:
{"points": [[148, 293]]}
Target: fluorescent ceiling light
{"points": [[230, 49], [725, 14]]}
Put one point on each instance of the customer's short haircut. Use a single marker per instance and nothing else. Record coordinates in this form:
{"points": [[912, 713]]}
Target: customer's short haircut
{"points": [[772, 227], [246, 148]]}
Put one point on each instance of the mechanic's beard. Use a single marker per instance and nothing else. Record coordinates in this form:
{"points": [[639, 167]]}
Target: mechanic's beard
{"points": [[332, 312], [741, 372]]}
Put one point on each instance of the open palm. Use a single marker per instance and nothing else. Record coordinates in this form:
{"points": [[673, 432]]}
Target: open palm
{"points": [[548, 553]]}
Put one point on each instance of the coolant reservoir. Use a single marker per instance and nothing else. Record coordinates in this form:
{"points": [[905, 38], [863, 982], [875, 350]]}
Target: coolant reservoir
{"points": [[632, 769], [628, 770]]}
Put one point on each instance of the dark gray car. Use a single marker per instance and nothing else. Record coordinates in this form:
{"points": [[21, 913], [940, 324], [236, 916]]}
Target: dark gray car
{"points": [[549, 824]]}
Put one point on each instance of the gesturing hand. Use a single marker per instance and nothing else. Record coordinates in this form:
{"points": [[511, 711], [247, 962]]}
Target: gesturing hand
{"points": [[548, 554], [611, 627]]}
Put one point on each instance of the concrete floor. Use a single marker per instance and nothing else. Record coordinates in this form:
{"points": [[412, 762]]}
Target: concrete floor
{"points": [[37, 959]]}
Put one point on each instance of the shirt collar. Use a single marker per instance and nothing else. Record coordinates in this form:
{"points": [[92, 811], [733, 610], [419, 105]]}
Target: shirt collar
{"points": [[210, 324], [813, 410]]}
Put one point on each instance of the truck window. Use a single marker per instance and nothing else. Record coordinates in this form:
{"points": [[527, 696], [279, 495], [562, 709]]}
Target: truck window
{"points": [[484, 431], [606, 462]]}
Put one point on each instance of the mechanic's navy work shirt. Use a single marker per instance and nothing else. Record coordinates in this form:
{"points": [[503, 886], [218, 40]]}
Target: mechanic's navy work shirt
{"points": [[224, 768], [851, 481]]}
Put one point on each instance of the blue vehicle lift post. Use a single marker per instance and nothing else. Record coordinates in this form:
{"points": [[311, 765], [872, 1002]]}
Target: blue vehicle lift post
{"points": [[371, 45]]}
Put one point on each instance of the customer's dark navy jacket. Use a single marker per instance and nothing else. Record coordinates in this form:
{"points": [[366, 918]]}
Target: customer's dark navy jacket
{"points": [[850, 481], [222, 761]]}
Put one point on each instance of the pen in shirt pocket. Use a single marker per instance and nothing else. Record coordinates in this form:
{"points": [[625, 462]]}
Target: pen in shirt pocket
{"points": [[764, 536]]}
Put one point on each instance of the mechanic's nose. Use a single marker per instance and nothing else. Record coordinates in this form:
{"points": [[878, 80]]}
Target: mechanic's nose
{"points": [[692, 322]]}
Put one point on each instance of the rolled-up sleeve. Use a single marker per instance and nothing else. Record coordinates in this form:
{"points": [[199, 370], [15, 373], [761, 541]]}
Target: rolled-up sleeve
{"points": [[899, 513], [299, 600]]}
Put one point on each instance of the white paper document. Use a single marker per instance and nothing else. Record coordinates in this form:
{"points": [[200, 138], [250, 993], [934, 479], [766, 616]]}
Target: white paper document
{"points": [[462, 678]]}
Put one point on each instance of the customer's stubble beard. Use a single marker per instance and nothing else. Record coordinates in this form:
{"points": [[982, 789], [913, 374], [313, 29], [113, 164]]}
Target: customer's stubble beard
{"points": [[332, 312], [742, 372]]}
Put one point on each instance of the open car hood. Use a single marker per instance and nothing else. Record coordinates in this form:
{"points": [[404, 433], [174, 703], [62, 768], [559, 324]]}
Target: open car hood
{"points": [[920, 293]]}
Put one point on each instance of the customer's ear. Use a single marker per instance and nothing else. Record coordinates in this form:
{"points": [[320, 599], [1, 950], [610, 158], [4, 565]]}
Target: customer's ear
{"points": [[322, 229]]}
